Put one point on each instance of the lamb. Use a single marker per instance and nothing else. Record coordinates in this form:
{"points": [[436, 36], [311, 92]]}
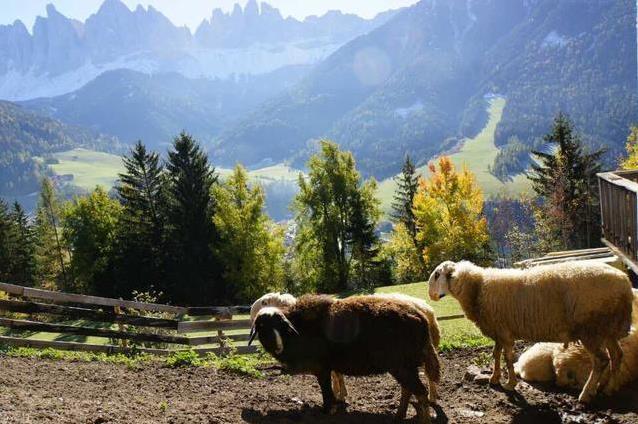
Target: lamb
{"points": [[280, 300], [361, 335], [569, 367], [566, 302]]}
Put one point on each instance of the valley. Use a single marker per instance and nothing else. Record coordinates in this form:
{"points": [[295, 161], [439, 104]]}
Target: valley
{"points": [[477, 154]]}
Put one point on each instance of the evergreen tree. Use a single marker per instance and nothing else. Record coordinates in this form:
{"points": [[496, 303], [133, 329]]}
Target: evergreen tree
{"points": [[6, 242], [251, 249], [565, 179], [141, 253], [407, 186], [51, 256], [23, 255], [336, 215], [195, 273]]}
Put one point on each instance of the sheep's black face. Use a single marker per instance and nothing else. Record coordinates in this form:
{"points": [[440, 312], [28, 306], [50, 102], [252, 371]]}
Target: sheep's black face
{"points": [[273, 329]]}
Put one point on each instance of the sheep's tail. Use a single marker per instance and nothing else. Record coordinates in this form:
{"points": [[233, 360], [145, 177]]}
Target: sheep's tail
{"points": [[432, 365]]}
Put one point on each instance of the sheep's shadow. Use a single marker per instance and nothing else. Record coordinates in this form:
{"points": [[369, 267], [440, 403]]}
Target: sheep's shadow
{"points": [[315, 414]]}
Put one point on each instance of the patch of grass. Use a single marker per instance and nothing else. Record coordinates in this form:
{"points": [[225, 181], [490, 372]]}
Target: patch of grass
{"points": [[163, 406], [88, 167], [238, 364], [185, 358], [483, 360], [63, 355]]}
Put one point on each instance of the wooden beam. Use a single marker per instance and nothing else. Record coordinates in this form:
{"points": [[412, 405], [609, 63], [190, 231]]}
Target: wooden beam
{"points": [[75, 346], [209, 325], [450, 317], [111, 349], [26, 325], [88, 300], [218, 310], [629, 263], [91, 314]]}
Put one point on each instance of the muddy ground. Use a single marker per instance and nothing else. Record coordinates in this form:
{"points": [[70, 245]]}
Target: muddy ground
{"points": [[44, 391]]}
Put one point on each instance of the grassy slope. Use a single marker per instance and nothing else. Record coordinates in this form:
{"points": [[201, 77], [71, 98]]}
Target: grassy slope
{"points": [[477, 154], [90, 168]]}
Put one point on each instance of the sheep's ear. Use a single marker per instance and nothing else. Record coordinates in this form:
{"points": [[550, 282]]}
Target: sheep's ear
{"points": [[290, 326]]}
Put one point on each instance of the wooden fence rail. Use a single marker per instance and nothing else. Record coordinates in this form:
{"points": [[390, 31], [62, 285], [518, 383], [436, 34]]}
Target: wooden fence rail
{"points": [[122, 325]]}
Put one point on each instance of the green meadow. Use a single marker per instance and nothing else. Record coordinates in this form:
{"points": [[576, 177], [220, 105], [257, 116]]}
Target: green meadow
{"points": [[477, 154]]}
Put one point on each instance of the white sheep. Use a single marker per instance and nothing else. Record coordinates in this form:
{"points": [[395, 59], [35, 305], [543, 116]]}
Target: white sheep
{"points": [[280, 300], [569, 367], [566, 302]]}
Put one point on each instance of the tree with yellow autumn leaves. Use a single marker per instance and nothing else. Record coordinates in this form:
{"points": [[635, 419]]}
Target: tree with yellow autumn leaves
{"points": [[449, 216], [448, 212]]}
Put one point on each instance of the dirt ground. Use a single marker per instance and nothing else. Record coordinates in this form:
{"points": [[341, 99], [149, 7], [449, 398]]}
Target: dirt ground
{"points": [[43, 391]]}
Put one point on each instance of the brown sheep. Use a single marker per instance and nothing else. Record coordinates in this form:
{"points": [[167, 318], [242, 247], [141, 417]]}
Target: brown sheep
{"points": [[361, 335]]}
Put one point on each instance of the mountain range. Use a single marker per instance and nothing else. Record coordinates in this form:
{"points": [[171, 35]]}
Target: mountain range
{"points": [[420, 83], [260, 89], [63, 54]]}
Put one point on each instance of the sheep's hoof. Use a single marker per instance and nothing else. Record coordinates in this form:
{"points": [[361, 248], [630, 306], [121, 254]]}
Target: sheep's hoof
{"points": [[332, 409], [495, 379], [585, 398], [510, 386]]}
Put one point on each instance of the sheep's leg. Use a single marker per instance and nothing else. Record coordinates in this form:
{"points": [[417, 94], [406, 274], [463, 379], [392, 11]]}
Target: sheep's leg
{"points": [[329, 400], [509, 361], [339, 386], [403, 403], [432, 389], [599, 362], [496, 373], [615, 360], [410, 383]]}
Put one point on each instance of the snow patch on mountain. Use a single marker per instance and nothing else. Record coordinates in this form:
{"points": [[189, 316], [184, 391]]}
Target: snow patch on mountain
{"points": [[195, 63]]}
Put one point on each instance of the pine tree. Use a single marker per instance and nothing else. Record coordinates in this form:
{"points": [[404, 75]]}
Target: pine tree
{"points": [[50, 254], [23, 255], [141, 253], [6, 242], [407, 186], [565, 179], [195, 273]]}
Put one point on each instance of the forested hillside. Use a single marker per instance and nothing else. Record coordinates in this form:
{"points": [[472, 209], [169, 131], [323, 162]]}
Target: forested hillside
{"points": [[24, 134], [135, 106], [420, 84], [584, 66]]}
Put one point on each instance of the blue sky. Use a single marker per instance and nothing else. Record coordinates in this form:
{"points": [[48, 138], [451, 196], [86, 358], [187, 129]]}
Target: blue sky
{"points": [[191, 12]]}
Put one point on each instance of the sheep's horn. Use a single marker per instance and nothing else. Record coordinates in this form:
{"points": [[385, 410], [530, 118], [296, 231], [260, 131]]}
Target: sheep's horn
{"points": [[253, 333]]}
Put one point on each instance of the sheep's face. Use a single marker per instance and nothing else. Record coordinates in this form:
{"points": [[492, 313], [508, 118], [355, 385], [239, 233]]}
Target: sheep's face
{"points": [[273, 329], [440, 278], [270, 299]]}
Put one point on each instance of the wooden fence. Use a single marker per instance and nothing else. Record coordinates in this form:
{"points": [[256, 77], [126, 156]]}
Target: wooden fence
{"points": [[619, 214], [122, 326]]}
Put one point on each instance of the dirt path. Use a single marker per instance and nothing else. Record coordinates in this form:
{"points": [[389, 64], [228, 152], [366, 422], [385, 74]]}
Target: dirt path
{"points": [[42, 391]]}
